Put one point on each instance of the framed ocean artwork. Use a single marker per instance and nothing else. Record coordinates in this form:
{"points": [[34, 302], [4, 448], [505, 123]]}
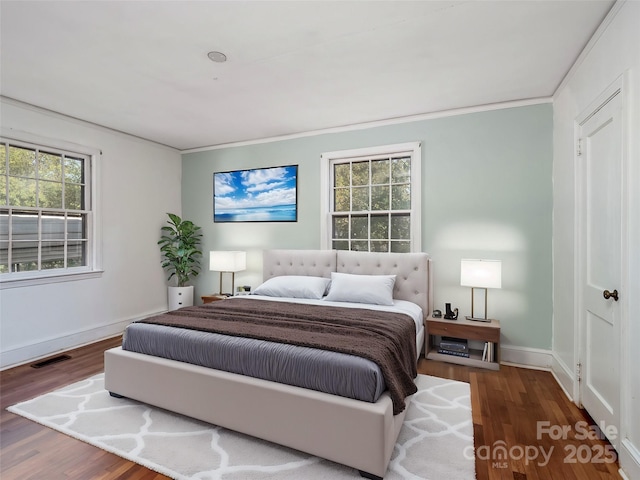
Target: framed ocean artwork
{"points": [[256, 195]]}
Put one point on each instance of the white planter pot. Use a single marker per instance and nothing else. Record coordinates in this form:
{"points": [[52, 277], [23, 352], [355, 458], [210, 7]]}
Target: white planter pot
{"points": [[180, 297]]}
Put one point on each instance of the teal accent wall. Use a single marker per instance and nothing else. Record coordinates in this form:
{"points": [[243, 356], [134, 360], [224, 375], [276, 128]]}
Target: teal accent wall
{"points": [[486, 193]]}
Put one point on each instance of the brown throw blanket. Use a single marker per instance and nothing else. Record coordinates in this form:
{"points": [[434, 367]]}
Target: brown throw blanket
{"points": [[386, 338]]}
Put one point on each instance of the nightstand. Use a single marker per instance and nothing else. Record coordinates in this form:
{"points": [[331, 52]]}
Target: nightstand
{"points": [[212, 298], [488, 332]]}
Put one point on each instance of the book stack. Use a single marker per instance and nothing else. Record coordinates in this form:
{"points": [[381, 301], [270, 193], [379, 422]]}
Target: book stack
{"points": [[488, 354], [454, 346]]}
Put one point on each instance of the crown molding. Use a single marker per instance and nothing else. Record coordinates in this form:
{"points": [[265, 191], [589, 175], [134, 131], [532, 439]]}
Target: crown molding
{"points": [[379, 123]]}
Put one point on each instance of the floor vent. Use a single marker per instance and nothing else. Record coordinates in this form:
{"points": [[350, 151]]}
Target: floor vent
{"points": [[51, 361]]}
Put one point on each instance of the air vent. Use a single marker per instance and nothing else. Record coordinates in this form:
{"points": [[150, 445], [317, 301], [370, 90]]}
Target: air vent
{"points": [[50, 361]]}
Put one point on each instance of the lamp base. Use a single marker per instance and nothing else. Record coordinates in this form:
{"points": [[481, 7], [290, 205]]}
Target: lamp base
{"points": [[477, 319]]}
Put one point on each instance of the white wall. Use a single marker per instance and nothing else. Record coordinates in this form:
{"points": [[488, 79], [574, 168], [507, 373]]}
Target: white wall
{"points": [[616, 50], [139, 182]]}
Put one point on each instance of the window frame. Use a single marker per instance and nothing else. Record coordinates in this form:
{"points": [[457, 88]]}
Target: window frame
{"points": [[93, 267], [328, 159]]}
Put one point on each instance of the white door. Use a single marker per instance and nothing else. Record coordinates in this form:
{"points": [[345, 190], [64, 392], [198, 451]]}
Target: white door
{"points": [[600, 235]]}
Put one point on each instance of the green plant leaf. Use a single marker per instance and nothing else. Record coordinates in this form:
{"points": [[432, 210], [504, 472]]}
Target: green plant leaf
{"points": [[179, 246]]}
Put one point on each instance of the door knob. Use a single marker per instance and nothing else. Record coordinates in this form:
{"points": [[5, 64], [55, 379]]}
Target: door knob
{"points": [[607, 294]]}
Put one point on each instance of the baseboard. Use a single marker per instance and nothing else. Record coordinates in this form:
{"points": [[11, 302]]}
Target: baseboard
{"points": [[564, 376], [525, 357], [36, 351], [629, 459]]}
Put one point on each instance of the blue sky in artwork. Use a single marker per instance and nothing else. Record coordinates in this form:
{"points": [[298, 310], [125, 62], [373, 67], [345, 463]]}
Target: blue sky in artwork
{"points": [[255, 188]]}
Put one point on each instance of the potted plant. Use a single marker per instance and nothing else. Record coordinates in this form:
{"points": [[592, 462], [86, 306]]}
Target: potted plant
{"points": [[180, 248]]}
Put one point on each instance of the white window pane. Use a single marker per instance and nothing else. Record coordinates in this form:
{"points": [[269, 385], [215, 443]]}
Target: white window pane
{"points": [[52, 255], [360, 246], [22, 162], [379, 227], [359, 227], [380, 198], [50, 194], [401, 170], [53, 227], [340, 245], [341, 200], [24, 256], [341, 227], [22, 192], [76, 253], [4, 226], [76, 227], [3, 190], [3, 159], [4, 256], [50, 166], [400, 227], [360, 199], [380, 172], [342, 174], [379, 246], [360, 173], [401, 247], [73, 197], [74, 170], [400, 197], [24, 226]]}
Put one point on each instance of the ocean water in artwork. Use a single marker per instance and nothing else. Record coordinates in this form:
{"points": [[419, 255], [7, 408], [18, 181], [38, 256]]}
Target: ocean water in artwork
{"points": [[276, 213]]}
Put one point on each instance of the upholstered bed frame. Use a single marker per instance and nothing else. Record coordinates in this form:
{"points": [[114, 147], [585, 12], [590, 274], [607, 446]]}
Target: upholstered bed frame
{"points": [[351, 432]]}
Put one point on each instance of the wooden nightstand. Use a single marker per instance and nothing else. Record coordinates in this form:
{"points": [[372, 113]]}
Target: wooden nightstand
{"points": [[488, 332], [212, 298]]}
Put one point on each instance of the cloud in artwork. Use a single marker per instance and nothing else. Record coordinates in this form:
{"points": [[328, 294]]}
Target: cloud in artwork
{"points": [[223, 183], [255, 188], [264, 179]]}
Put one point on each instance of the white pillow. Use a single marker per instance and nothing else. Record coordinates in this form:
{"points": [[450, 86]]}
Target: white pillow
{"points": [[372, 289], [294, 286]]}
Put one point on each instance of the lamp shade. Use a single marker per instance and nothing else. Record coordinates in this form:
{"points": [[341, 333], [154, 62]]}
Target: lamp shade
{"points": [[227, 261], [481, 273]]}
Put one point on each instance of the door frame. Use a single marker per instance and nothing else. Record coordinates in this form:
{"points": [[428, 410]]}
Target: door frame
{"points": [[621, 85]]}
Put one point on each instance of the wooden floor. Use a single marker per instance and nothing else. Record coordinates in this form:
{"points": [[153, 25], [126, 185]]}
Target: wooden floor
{"points": [[506, 407]]}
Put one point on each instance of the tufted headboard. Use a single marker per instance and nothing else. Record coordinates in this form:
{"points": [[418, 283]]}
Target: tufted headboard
{"points": [[412, 270], [310, 263]]}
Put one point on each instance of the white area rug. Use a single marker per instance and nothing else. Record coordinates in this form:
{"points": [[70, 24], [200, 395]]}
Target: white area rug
{"points": [[436, 440]]}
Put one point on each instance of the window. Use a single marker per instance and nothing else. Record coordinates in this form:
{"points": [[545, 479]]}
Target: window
{"points": [[371, 198], [45, 212]]}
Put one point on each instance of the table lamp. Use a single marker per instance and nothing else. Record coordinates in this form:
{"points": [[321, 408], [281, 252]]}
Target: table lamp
{"points": [[480, 274], [227, 262]]}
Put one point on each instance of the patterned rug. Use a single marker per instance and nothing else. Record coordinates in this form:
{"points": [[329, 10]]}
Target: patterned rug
{"points": [[436, 440]]}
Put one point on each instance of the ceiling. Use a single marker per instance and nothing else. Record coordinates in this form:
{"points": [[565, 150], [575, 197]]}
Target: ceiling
{"points": [[141, 67]]}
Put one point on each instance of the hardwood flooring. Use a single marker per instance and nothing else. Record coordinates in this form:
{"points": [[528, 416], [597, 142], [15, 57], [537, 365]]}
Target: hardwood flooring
{"points": [[507, 406]]}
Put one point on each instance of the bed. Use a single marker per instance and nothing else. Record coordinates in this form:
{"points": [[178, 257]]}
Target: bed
{"points": [[360, 434]]}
